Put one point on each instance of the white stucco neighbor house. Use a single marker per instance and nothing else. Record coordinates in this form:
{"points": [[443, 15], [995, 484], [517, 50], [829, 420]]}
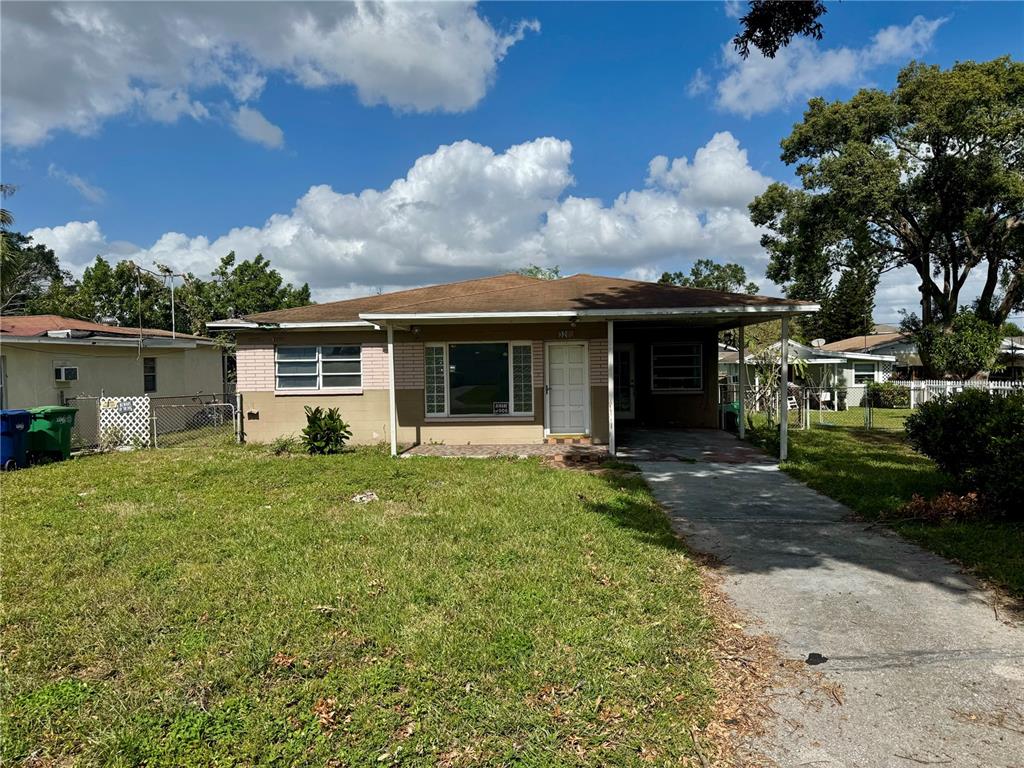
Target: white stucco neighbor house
{"points": [[821, 366], [47, 359]]}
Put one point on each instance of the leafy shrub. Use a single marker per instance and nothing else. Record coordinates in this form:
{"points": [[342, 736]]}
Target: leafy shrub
{"points": [[325, 432], [887, 395], [978, 438]]}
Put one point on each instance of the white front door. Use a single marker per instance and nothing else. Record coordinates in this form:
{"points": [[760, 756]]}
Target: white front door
{"points": [[567, 389]]}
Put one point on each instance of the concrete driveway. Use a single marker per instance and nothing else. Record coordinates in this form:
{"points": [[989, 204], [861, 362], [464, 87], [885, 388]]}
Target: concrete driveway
{"points": [[931, 673]]}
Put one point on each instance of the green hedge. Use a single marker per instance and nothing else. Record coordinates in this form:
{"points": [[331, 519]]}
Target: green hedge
{"points": [[887, 395], [978, 438]]}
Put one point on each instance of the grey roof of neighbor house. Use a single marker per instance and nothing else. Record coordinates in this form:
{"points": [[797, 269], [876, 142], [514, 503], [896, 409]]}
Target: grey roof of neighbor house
{"points": [[514, 293], [864, 343], [56, 327]]}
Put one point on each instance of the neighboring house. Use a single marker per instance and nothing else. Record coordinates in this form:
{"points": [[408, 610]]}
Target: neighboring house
{"points": [[908, 366], [46, 359], [1011, 360], [907, 363], [821, 368], [503, 360]]}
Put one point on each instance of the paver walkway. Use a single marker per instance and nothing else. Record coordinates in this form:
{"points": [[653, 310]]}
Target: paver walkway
{"points": [[931, 673]]}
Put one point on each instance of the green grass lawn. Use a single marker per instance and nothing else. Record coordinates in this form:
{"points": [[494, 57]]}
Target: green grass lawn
{"points": [[875, 473], [881, 418], [224, 606]]}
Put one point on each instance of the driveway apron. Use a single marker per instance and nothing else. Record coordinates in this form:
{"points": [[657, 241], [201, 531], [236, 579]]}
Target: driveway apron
{"points": [[932, 673]]}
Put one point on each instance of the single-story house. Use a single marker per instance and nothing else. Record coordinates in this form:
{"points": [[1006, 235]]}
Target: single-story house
{"points": [[47, 359], [508, 359], [822, 366], [907, 362]]}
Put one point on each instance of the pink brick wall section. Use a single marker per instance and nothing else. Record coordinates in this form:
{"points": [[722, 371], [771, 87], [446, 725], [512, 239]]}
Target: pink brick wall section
{"points": [[255, 368], [409, 365], [375, 366], [598, 362], [538, 364]]}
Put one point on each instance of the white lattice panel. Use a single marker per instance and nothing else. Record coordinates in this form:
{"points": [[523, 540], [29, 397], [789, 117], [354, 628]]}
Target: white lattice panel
{"points": [[124, 421]]}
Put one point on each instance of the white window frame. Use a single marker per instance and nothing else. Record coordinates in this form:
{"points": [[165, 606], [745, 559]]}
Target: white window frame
{"points": [[511, 384], [319, 356], [700, 369], [63, 378], [874, 373]]}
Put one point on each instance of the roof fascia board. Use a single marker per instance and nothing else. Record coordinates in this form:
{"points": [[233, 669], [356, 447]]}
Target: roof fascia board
{"points": [[106, 341], [226, 325], [598, 314]]}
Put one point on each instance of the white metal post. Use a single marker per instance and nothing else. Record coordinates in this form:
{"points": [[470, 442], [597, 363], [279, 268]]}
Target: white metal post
{"points": [[392, 409], [784, 392], [611, 388], [742, 384]]}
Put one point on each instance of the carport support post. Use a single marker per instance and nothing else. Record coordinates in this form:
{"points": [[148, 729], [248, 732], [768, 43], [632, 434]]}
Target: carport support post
{"points": [[784, 391], [611, 388], [742, 357], [392, 410]]}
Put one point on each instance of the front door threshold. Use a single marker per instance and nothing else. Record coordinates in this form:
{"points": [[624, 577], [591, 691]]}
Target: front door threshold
{"points": [[568, 440]]}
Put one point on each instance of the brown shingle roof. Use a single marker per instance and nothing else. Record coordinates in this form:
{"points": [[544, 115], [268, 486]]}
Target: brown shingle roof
{"points": [[863, 343], [40, 325], [516, 293]]}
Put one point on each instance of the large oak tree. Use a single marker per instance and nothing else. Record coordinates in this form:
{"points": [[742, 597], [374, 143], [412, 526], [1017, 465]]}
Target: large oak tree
{"points": [[929, 175]]}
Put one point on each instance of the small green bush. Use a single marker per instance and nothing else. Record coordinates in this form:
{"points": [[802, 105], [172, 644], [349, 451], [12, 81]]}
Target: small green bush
{"points": [[326, 432], [887, 395], [978, 439], [284, 445]]}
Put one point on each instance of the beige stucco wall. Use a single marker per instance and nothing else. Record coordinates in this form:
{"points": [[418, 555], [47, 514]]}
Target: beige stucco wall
{"points": [[268, 415], [28, 370]]}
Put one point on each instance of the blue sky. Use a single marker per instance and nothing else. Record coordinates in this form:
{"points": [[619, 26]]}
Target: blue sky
{"points": [[175, 132]]}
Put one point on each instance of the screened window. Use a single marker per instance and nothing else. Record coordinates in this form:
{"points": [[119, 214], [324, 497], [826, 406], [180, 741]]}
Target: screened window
{"points": [[149, 374], [863, 373], [478, 379], [325, 367], [676, 368]]}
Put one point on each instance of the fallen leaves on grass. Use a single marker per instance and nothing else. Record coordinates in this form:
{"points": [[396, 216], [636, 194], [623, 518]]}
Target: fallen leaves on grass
{"points": [[326, 711], [282, 660]]}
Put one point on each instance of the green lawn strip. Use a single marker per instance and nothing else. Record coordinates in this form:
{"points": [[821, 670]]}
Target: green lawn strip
{"points": [[875, 473], [482, 610]]}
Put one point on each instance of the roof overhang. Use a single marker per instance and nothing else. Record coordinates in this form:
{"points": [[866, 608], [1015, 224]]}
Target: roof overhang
{"points": [[244, 325], [150, 342], [738, 312]]}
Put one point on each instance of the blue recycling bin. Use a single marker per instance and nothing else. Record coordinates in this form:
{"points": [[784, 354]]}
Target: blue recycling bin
{"points": [[14, 426]]}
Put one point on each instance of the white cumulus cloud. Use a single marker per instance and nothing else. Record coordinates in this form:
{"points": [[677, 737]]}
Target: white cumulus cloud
{"points": [[251, 125], [72, 66], [804, 68], [465, 210]]}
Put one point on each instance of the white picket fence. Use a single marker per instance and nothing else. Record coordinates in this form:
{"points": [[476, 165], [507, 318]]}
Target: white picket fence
{"points": [[926, 390]]}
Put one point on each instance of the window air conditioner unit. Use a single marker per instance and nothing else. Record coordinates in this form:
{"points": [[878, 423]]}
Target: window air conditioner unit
{"points": [[63, 374]]}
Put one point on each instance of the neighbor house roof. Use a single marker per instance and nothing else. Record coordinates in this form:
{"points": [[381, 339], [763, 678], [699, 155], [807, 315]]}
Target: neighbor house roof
{"points": [[798, 351], [57, 327], [864, 343], [513, 294]]}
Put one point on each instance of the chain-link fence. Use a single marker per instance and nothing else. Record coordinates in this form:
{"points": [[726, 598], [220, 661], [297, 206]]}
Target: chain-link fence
{"points": [[85, 435], [169, 421], [198, 420], [869, 406]]}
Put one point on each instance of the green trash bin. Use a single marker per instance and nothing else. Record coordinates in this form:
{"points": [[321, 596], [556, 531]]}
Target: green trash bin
{"points": [[731, 415], [49, 436]]}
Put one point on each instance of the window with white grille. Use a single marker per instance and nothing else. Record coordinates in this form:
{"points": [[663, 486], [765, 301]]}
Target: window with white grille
{"points": [[328, 367]]}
